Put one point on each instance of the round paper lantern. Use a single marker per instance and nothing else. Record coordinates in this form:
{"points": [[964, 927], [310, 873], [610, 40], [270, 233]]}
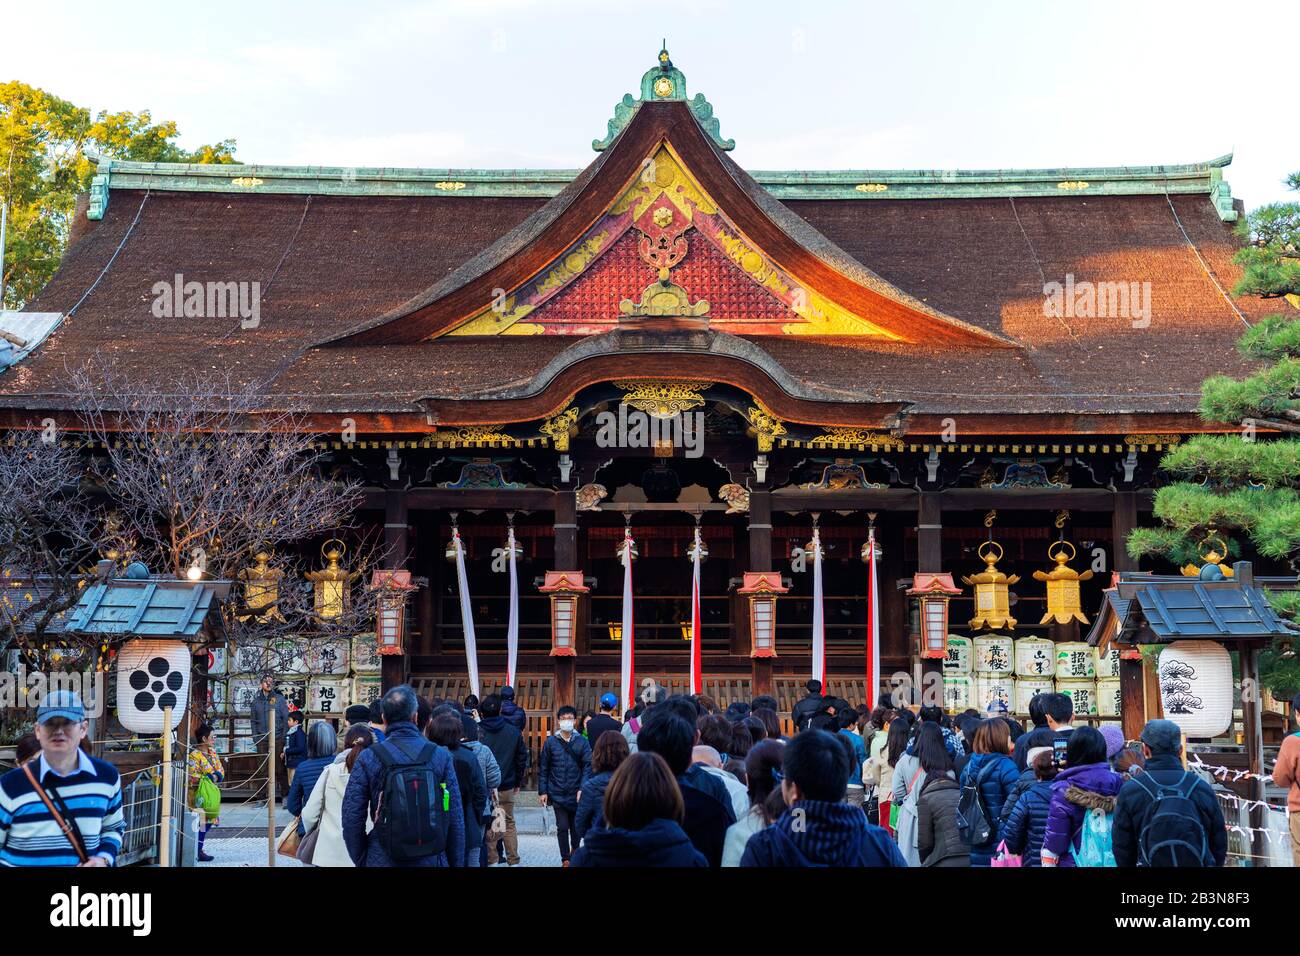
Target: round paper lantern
{"points": [[1082, 692], [994, 694], [1196, 687], [1106, 662], [958, 660], [1027, 687], [151, 675], [1035, 657], [956, 692], [1074, 661], [995, 654], [1109, 699]]}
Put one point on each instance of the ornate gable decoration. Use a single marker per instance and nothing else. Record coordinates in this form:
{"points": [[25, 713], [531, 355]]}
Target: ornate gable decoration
{"points": [[665, 248], [663, 82]]}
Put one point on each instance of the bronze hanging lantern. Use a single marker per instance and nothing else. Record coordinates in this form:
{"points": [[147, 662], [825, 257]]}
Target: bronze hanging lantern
{"points": [[992, 591], [332, 583], [1063, 601], [262, 589]]}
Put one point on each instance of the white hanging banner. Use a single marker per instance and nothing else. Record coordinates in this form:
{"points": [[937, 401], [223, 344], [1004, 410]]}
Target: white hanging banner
{"points": [[629, 627], [697, 677], [466, 615], [819, 619], [512, 625], [873, 623]]}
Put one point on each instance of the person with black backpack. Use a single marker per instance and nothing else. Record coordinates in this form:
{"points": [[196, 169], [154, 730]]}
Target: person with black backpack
{"points": [[1167, 815], [562, 769], [987, 781], [407, 787]]}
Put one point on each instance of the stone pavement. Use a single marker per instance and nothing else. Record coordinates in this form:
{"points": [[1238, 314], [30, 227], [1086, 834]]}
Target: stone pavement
{"points": [[240, 839]]}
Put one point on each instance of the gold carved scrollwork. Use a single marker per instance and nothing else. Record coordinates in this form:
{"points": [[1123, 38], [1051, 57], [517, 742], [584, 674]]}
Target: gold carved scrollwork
{"points": [[557, 428], [766, 426], [664, 175], [663, 399], [1152, 439], [833, 437]]}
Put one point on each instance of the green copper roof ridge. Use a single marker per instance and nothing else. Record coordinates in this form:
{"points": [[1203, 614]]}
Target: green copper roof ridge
{"points": [[363, 181]]}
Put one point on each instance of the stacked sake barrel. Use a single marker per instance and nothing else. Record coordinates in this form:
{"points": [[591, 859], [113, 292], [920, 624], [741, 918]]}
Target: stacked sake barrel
{"points": [[995, 672]]}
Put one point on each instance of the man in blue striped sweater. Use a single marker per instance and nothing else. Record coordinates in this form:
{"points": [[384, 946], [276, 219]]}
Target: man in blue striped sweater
{"points": [[86, 792]]}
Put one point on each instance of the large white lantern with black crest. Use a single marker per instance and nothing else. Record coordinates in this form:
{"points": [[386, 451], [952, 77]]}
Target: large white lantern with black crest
{"points": [[1196, 687], [152, 675]]}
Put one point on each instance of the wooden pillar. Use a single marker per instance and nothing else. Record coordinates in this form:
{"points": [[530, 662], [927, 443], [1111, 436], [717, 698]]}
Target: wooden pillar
{"points": [[1132, 686], [1123, 520], [1253, 728], [929, 558], [397, 544], [425, 560], [566, 531]]}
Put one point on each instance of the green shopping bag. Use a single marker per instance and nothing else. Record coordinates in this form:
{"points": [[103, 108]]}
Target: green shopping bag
{"points": [[207, 797]]}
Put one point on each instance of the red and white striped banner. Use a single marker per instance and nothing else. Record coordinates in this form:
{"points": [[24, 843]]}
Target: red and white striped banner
{"points": [[629, 626], [697, 676], [819, 617], [873, 623]]}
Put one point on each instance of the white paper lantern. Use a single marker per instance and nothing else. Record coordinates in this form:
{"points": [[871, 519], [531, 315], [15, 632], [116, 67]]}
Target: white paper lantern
{"points": [[1075, 661], [1109, 698], [993, 694], [1082, 692], [1196, 687], [1106, 662], [995, 654], [956, 692], [1027, 688], [1035, 657], [151, 675], [958, 660]]}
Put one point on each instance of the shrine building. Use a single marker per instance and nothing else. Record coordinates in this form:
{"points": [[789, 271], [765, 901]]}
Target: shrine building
{"points": [[663, 341]]}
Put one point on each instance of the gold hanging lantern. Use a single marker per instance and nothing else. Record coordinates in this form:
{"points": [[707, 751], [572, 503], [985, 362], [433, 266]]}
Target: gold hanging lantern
{"points": [[262, 589], [332, 583], [992, 595], [1063, 603]]}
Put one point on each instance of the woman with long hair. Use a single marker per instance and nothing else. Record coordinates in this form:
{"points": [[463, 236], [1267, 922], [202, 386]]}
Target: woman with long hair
{"points": [[763, 776], [879, 770], [610, 751], [324, 809]]}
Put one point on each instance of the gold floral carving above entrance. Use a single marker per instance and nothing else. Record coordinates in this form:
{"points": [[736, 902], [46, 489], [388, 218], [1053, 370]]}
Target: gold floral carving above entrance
{"points": [[663, 399]]}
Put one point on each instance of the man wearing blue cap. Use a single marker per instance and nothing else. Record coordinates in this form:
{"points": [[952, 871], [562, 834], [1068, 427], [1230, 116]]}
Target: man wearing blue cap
{"points": [[37, 827], [1167, 815], [605, 720]]}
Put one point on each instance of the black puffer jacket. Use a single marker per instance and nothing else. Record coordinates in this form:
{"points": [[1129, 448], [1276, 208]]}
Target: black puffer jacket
{"points": [[507, 745], [938, 838], [1135, 801], [590, 813], [1026, 824], [805, 710], [560, 776]]}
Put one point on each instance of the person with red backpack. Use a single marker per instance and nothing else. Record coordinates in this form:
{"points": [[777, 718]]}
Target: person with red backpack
{"points": [[407, 787], [1167, 815]]}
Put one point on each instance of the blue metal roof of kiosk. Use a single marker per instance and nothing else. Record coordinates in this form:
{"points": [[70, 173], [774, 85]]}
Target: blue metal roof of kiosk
{"points": [[147, 608]]}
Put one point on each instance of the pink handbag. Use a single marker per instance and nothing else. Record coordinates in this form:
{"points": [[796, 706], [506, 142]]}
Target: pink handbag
{"points": [[1005, 858]]}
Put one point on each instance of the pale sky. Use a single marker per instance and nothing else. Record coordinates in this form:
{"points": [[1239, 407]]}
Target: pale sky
{"points": [[797, 85]]}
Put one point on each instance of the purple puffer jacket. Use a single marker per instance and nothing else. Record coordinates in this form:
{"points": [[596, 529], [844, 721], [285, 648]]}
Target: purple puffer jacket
{"points": [[1075, 791]]}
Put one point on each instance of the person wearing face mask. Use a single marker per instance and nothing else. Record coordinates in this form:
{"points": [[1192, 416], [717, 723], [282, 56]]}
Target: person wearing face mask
{"points": [[564, 767]]}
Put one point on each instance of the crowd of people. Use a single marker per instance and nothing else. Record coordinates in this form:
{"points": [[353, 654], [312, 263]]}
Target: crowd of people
{"points": [[679, 781]]}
